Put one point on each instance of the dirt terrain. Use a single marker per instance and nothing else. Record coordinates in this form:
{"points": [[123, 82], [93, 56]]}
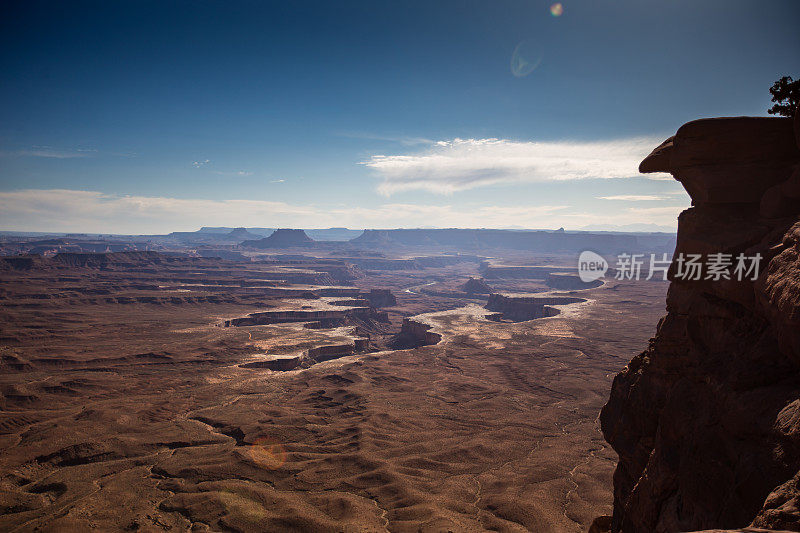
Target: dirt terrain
{"points": [[132, 399]]}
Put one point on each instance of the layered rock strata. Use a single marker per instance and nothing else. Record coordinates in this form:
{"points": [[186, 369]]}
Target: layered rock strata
{"points": [[281, 238], [381, 298], [414, 332], [706, 421], [522, 307], [476, 286], [285, 316]]}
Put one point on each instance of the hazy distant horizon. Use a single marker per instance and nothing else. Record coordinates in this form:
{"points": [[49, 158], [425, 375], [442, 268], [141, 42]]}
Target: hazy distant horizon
{"points": [[631, 228]]}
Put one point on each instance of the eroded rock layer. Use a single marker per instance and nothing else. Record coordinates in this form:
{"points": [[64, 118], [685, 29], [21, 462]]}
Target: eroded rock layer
{"points": [[706, 421]]}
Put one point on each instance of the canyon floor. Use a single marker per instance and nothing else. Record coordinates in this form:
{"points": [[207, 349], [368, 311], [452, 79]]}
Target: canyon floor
{"points": [[127, 404]]}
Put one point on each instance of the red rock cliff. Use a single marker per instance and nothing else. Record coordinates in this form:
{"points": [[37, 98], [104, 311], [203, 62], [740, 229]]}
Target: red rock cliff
{"points": [[706, 421]]}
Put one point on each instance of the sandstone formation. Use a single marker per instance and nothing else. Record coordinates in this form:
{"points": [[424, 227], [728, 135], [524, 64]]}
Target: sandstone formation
{"points": [[521, 307], [476, 286], [325, 313], [240, 234], [209, 236], [312, 356], [414, 332], [333, 234], [281, 238], [706, 421], [381, 298]]}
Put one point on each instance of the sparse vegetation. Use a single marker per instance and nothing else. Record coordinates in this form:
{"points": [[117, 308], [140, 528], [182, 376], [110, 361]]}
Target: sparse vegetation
{"points": [[786, 95]]}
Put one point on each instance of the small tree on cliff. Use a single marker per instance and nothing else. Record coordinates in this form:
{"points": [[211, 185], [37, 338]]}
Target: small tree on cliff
{"points": [[786, 93]]}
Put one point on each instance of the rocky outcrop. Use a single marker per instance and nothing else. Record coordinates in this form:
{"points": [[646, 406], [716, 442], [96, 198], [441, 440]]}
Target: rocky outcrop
{"points": [[240, 234], [279, 364], [380, 298], [706, 421], [414, 333], [522, 307], [312, 356], [287, 316], [335, 351], [281, 238], [727, 160], [476, 286]]}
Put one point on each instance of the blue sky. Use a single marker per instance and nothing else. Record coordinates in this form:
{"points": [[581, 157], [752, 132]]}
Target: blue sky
{"points": [[140, 117]]}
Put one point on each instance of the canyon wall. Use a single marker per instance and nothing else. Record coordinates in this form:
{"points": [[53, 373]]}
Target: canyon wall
{"points": [[521, 307], [415, 333], [281, 238], [706, 421], [534, 241]]}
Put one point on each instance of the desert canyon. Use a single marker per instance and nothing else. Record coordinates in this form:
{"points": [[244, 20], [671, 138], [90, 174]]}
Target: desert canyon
{"points": [[246, 379]]}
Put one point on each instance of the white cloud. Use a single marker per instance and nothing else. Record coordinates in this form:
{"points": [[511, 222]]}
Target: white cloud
{"points": [[73, 210], [202, 163], [662, 216], [632, 197], [91, 211], [670, 211], [448, 166], [278, 181]]}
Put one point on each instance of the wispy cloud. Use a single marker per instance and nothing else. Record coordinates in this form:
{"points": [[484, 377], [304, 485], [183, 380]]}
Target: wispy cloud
{"points": [[401, 139], [633, 197], [241, 173], [202, 163], [93, 211], [49, 153], [278, 181], [63, 153], [459, 164]]}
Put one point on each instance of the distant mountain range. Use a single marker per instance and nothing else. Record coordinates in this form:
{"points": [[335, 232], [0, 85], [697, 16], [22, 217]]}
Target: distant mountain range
{"points": [[326, 234], [630, 228], [232, 243]]}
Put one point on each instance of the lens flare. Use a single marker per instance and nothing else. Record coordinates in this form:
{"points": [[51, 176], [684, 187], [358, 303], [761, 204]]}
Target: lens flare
{"points": [[526, 57], [556, 9], [267, 452]]}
